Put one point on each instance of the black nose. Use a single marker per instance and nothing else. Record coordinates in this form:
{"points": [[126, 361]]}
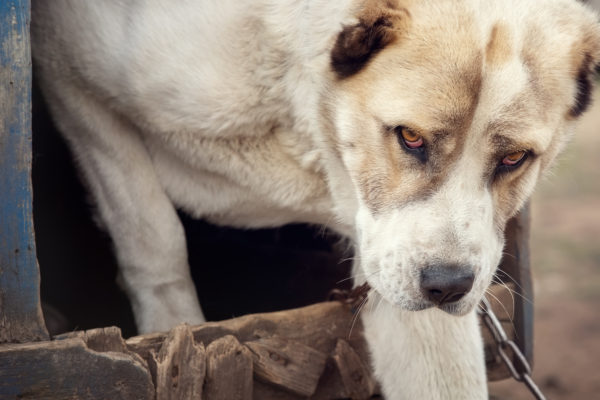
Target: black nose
{"points": [[446, 283]]}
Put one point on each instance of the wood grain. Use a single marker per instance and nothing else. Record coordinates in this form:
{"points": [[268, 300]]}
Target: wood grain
{"points": [[355, 374], [228, 370], [179, 367], [67, 369], [288, 364], [20, 312]]}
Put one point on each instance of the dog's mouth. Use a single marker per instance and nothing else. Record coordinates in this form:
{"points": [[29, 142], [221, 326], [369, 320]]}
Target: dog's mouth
{"points": [[459, 307]]}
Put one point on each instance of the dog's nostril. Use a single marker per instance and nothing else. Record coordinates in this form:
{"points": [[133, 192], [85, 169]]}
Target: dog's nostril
{"points": [[454, 297], [446, 283]]}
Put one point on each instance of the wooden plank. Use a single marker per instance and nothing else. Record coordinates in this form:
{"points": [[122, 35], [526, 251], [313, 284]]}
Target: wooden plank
{"points": [[319, 327], [103, 340], [228, 370], [357, 378], [20, 313], [179, 367], [100, 339], [67, 369], [288, 364]]}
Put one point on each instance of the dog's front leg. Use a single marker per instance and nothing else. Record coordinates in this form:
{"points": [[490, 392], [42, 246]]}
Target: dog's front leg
{"points": [[148, 237], [425, 354]]}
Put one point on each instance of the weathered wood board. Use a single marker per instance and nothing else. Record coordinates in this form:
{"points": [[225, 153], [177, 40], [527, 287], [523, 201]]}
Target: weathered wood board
{"points": [[179, 368], [68, 369], [310, 352], [354, 371], [228, 371], [20, 313]]}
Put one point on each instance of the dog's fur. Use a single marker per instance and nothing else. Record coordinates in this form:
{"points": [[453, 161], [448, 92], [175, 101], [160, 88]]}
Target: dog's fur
{"points": [[264, 112]]}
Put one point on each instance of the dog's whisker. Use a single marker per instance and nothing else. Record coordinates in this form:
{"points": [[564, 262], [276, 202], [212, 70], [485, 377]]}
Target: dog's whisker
{"points": [[358, 275], [355, 317], [372, 294], [510, 291], [343, 260], [511, 278], [530, 301], [510, 255], [493, 296]]}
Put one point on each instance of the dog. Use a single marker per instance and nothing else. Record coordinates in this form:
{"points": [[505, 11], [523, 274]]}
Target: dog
{"points": [[416, 129]]}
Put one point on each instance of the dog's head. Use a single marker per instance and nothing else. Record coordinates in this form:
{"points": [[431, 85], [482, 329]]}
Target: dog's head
{"points": [[446, 113]]}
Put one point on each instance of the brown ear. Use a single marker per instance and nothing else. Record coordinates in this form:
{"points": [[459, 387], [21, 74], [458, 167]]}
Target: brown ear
{"points": [[585, 77], [378, 26], [586, 66]]}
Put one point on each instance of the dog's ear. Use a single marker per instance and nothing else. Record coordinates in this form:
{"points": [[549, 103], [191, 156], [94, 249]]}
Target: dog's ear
{"points": [[586, 68], [588, 72], [380, 23]]}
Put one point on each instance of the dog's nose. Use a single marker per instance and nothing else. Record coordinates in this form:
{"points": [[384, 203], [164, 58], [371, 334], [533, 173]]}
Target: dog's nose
{"points": [[446, 283]]}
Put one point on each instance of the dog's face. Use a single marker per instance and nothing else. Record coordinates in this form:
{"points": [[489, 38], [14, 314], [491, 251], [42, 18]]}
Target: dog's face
{"points": [[446, 113]]}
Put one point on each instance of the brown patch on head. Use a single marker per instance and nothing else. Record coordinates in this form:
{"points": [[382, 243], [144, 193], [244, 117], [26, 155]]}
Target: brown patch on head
{"points": [[578, 61], [499, 48], [583, 98], [379, 25], [585, 59]]}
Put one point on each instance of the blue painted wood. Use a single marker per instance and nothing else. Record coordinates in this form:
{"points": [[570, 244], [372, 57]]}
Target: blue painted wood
{"points": [[20, 313]]}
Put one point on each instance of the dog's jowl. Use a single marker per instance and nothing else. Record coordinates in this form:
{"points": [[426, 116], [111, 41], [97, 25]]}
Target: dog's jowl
{"points": [[414, 128]]}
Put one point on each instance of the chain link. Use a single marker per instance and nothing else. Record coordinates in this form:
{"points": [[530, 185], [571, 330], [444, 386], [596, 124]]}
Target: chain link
{"points": [[508, 350]]}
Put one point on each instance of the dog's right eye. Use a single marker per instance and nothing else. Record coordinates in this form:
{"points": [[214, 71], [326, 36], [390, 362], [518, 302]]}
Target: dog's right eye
{"points": [[411, 139], [412, 142]]}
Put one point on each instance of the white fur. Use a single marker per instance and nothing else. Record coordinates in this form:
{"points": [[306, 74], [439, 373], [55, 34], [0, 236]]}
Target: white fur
{"points": [[217, 107], [409, 364]]}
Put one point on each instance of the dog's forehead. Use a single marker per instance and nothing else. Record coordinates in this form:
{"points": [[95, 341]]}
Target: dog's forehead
{"points": [[463, 65]]}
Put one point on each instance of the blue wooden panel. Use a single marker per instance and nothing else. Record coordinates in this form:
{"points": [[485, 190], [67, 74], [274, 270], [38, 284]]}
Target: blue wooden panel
{"points": [[20, 313]]}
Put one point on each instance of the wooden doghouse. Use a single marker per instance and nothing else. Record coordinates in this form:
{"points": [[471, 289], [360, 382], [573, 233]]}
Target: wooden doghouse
{"points": [[316, 351]]}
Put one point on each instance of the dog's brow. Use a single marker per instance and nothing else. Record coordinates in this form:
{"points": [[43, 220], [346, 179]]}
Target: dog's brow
{"points": [[502, 144]]}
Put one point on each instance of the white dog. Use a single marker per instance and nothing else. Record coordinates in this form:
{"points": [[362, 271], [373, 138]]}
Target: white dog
{"points": [[416, 128]]}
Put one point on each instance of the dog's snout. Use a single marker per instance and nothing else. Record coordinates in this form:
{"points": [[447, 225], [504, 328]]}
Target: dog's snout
{"points": [[446, 283]]}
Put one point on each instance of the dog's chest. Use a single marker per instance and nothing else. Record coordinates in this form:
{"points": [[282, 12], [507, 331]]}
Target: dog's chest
{"points": [[244, 181]]}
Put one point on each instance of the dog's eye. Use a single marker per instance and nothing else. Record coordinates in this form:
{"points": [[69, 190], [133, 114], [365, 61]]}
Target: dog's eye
{"points": [[411, 139], [514, 159], [412, 142]]}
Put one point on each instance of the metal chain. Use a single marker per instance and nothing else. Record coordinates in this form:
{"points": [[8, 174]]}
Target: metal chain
{"points": [[506, 348]]}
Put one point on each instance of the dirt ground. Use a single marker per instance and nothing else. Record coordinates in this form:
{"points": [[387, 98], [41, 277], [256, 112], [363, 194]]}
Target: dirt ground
{"points": [[565, 257]]}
